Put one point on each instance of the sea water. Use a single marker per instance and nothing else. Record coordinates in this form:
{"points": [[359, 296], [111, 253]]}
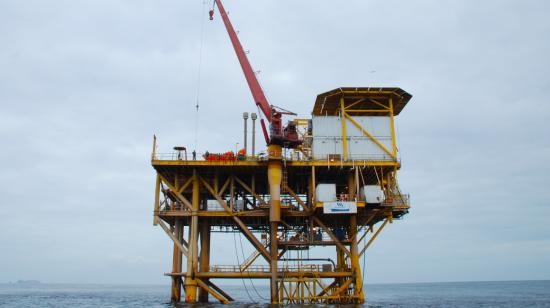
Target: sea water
{"points": [[452, 294]]}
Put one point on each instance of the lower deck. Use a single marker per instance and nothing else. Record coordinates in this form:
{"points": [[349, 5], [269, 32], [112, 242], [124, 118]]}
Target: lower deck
{"points": [[195, 198]]}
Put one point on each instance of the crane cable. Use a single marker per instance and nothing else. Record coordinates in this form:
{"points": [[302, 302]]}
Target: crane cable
{"points": [[239, 265], [364, 269], [199, 73], [249, 278]]}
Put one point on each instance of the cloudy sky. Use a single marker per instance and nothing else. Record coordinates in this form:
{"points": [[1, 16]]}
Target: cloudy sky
{"points": [[84, 85]]}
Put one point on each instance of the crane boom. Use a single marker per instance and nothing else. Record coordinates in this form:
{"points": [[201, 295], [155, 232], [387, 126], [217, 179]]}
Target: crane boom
{"points": [[253, 84], [286, 136]]}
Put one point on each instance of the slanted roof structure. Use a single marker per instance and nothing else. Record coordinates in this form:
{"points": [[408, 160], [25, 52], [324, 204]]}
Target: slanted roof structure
{"points": [[328, 103]]}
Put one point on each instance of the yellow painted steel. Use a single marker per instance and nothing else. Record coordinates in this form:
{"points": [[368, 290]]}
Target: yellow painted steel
{"points": [[344, 133], [393, 141], [367, 111], [369, 135], [204, 257], [274, 176], [290, 163], [379, 103], [177, 261], [359, 204], [157, 201], [205, 287], [355, 103], [355, 266], [192, 260], [301, 122], [278, 208], [374, 236]]}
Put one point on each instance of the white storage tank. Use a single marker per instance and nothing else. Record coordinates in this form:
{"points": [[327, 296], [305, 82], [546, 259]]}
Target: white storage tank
{"points": [[372, 194], [325, 192]]}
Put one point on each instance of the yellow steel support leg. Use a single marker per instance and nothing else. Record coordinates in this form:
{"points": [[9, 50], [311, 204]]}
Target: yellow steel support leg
{"points": [[176, 263], [205, 257], [355, 265], [274, 263], [192, 260], [340, 262], [353, 178], [274, 174]]}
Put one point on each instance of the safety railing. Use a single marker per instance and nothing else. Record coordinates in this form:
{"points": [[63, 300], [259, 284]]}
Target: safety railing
{"points": [[226, 157], [265, 268], [398, 200], [218, 157]]}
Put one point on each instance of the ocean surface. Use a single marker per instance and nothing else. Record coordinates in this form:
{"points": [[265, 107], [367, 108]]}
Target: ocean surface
{"points": [[452, 294]]}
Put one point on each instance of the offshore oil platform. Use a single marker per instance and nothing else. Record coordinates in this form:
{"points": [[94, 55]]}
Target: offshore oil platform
{"points": [[326, 181]]}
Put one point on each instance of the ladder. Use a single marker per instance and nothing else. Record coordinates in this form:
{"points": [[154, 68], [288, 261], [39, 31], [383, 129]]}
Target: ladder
{"points": [[284, 182]]}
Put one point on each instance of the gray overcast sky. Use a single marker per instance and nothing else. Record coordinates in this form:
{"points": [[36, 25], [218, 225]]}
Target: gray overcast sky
{"points": [[84, 85]]}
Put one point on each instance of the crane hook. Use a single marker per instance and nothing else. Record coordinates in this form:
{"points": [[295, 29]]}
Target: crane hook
{"points": [[211, 13]]}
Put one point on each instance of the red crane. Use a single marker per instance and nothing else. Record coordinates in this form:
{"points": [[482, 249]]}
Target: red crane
{"points": [[287, 136]]}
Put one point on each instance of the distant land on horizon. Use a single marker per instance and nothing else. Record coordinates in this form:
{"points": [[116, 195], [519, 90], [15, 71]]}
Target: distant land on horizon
{"points": [[26, 282]]}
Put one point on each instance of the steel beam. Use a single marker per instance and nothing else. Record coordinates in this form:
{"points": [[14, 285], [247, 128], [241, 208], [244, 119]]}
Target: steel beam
{"points": [[192, 260], [334, 238], [250, 191], [176, 260], [239, 222], [373, 237], [205, 287], [182, 247], [179, 196], [205, 256]]}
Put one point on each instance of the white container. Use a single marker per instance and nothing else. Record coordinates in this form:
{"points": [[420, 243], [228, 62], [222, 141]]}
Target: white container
{"points": [[325, 192], [213, 205], [327, 137], [326, 126], [239, 205], [372, 194]]}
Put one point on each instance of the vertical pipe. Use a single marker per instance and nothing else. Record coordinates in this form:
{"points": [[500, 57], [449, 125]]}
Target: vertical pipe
{"points": [[357, 184], [253, 116], [344, 133], [253, 185], [392, 126], [245, 118], [355, 265], [192, 259], [216, 182], [273, 265], [232, 194], [157, 200], [274, 175], [205, 256], [313, 197], [176, 263], [351, 186]]}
